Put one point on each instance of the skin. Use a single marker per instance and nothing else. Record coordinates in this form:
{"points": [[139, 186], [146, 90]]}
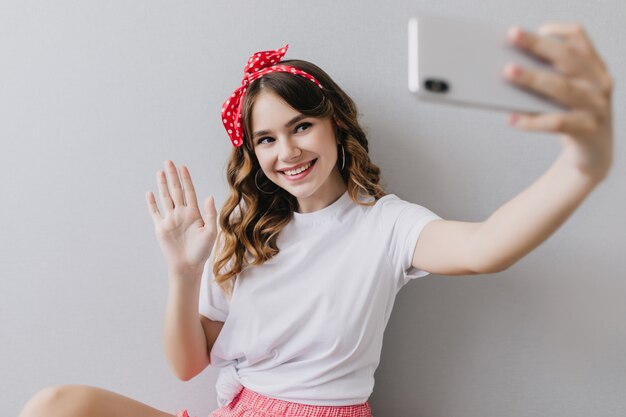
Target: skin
{"points": [[582, 83], [308, 139], [444, 247]]}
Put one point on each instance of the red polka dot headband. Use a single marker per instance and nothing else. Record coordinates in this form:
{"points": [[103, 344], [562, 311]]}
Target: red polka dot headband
{"points": [[259, 64]]}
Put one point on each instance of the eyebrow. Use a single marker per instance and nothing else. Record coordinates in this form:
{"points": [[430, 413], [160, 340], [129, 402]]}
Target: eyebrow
{"points": [[289, 123]]}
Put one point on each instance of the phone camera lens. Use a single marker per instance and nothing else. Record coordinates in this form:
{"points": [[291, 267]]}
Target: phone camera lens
{"points": [[436, 86]]}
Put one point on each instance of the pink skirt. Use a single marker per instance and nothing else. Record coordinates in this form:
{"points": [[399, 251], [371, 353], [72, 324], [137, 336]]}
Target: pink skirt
{"points": [[249, 403]]}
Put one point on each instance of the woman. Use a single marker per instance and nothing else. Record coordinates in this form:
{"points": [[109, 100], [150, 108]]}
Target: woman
{"points": [[312, 251]]}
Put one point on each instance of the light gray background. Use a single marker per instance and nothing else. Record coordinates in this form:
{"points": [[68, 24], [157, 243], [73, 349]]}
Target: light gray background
{"points": [[94, 96]]}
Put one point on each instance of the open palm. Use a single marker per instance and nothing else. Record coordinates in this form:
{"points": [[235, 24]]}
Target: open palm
{"points": [[185, 238]]}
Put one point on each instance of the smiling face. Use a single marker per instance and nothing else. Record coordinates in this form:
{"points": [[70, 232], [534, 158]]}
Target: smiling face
{"points": [[286, 140]]}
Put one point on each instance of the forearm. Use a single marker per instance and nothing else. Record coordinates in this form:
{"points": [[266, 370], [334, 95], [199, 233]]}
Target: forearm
{"points": [[532, 216], [184, 339]]}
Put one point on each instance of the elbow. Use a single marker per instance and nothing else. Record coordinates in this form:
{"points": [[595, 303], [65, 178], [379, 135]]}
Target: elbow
{"points": [[180, 374], [192, 373], [486, 257], [491, 267], [185, 376], [497, 269]]}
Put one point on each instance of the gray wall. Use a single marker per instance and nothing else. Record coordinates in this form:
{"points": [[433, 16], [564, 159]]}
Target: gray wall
{"points": [[94, 96]]}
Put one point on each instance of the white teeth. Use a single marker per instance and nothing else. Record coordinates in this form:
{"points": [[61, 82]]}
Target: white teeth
{"points": [[299, 170]]}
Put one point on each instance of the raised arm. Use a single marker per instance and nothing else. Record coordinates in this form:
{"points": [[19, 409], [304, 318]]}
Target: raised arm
{"points": [[586, 133]]}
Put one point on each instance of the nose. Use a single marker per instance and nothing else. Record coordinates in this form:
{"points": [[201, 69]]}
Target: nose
{"points": [[288, 151]]}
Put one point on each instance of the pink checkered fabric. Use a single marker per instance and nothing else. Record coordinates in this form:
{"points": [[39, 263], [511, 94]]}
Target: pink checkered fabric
{"points": [[252, 404]]}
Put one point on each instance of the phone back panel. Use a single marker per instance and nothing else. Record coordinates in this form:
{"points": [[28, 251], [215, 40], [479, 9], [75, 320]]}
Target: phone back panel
{"points": [[469, 56]]}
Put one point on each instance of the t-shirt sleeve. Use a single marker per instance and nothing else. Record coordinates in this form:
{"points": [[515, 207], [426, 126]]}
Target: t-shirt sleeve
{"points": [[214, 303], [403, 222]]}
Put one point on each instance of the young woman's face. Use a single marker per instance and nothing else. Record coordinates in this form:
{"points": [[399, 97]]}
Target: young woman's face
{"points": [[286, 140]]}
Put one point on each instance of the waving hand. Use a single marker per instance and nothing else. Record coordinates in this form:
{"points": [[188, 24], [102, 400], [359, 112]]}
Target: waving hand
{"points": [[186, 239]]}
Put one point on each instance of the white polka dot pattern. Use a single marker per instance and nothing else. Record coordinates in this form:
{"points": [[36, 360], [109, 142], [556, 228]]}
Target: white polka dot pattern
{"points": [[259, 64]]}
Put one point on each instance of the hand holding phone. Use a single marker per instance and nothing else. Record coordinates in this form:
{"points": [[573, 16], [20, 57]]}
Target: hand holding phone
{"points": [[563, 85], [461, 62]]}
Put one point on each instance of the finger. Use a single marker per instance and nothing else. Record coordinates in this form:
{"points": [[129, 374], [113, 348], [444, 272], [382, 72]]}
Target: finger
{"points": [[566, 59], [567, 31], [152, 207], [568, 48], [577, 34], [571, 92], [176, 187], [164, 194], [210, 210], [574, 123], [190, 192], [209, 207]]}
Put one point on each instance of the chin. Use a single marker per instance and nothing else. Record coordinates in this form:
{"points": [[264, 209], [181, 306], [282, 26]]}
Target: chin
{"points": [[299, 193]]}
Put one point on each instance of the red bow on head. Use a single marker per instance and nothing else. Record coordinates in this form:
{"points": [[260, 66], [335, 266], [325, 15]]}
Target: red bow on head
{"points": [[259, 64]]}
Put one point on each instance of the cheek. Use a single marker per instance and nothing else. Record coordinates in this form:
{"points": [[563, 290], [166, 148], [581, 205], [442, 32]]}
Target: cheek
{"points": [[266, 163], [324, 144], [332, 150]]}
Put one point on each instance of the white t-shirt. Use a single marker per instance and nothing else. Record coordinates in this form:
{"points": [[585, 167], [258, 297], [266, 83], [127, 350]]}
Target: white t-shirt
{"points": [[307, 325]]}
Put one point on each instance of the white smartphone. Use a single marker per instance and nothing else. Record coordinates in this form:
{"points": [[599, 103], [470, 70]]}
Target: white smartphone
{"points": [[461, 62]]}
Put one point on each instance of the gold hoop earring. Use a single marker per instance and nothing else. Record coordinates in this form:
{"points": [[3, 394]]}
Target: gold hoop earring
{"points": [[259, 188]]}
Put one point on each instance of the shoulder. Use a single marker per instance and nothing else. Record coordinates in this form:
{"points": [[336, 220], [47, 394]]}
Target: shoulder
{"points": [[391, 211], [391, 204], [387, 204], [374, 214]]}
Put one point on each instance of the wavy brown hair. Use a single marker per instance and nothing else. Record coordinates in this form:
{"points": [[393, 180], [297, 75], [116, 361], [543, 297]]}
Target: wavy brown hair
{"points": [[251, 220]]}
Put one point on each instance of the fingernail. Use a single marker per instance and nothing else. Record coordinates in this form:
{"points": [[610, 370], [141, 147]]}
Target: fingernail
{"points": [[514, 119], [512, 71], [516, 34]]}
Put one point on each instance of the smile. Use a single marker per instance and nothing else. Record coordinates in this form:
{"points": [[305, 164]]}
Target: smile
{"points": [[299, 173]]}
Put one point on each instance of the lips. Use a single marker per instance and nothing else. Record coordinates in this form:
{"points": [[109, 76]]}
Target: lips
{"points": [[298, 166], [300, 176]]}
